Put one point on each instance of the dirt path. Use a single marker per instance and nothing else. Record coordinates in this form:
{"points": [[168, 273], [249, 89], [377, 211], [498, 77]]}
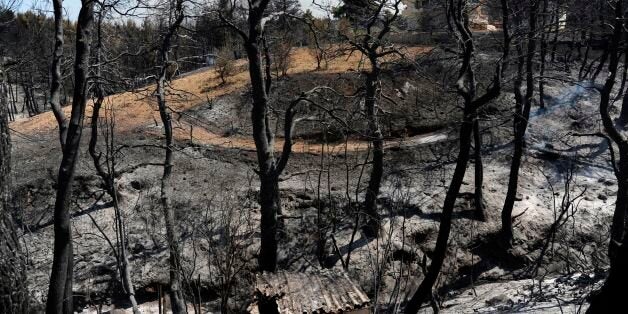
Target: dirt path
{"points": [[203, 136], [136, 111]]}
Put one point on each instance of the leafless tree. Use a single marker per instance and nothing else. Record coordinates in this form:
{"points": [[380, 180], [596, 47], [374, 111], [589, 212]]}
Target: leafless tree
{"points": [[106, 169], [13, 284], [458, 19], [269, 166], [56, 77], [379, 18], [610, 296], [60, 289], [176, 15], [523, 104]]}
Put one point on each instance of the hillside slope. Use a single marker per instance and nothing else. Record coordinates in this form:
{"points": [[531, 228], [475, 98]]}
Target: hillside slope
{"points": [[216, 190]]}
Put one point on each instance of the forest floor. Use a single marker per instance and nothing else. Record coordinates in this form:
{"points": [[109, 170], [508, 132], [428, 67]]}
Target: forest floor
{"points": [[216, 186]]}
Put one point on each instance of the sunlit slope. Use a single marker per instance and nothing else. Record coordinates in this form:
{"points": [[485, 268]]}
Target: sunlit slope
{"points": [[135, 110]]}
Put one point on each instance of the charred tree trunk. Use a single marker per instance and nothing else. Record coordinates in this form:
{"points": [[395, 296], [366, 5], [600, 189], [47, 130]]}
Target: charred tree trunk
{"points": [[56, 78], [172, 236], [623, 114], [377, 165], [611, 295], [269, 168], [585, 59], [372, 45], [478, 167], [60, 289], [543, 52], [458, 18], [35, 105], [108, 176], [424, 292], [519, 142], [263, 137], [523, 103], [556, 14], [13, 290]]}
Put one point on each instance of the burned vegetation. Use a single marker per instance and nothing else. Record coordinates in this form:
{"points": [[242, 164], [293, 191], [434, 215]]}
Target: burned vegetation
{"points": [[285, 156]]}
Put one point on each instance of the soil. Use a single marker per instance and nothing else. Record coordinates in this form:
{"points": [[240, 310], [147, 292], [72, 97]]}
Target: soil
{"points": [[215, 191]]}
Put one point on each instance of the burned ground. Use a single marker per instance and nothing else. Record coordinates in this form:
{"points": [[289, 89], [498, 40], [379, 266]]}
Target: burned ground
{"points": [[215, 193]]}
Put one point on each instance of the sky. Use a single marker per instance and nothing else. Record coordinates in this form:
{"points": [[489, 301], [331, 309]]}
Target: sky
{"points": [[72, 7]]}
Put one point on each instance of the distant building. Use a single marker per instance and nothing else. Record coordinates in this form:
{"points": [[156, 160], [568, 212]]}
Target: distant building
{"points": [[429, 15], [321, 292]]}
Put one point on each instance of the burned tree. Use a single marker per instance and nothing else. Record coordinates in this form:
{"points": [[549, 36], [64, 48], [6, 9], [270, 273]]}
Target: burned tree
{"points": [[610, 297], [458, 19], [56, 77], [13, 290], [269, 167], [60, 289], [523, 104], [379, 17], [176, 12], [106, 168]]}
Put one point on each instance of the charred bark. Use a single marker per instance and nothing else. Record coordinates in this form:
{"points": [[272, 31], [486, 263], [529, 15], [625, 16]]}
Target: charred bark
{"points": [[523, 104], [56, 77], [424, 292], [60, 289], [543, 53], [611, 295], [107, 176], [172, 236], [262, 135], [372, 46], [377, 140], [269, 167], [13, 289], [459, 21], [478, 168]]}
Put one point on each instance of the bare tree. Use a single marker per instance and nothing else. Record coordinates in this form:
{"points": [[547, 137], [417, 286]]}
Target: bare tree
{"points": [[611, 295], [523, 104], [56, 77], [13, 284], [371, 45], [176, 16], [107, 170], [60, 289], [379, 17], [269, 166], [458, 19]]}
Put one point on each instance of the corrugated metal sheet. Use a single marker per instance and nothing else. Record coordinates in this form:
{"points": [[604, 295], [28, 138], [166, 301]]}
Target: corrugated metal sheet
{"points": [[323, 292]]}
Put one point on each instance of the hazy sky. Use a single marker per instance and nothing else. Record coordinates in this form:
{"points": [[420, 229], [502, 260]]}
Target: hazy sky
{"points": [[72, 6]]}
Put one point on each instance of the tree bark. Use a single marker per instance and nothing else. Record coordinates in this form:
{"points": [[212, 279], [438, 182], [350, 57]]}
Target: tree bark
{"points": [[478, 167], [13, 289], [466, 86], [611, 295], [172, 236], [262, 135], [269, 167], [60, 289], [56, 77], [377, 140], [108, 176], [623, 113], [556, 30], [543, 52], [424, 292], [373, 46], [523, 105]]}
